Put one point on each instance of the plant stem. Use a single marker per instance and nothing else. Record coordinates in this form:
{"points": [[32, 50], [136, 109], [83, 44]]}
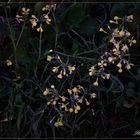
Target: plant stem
{"points": [[11, 35], [78, 57], [40, 46]]}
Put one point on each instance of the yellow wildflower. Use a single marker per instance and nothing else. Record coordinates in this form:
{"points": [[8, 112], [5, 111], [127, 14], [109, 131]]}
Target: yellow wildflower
{"points": [[49, 58], [130, 18], [124, 48], [53, 6], [93, 95], [116, 18], [33, 21], [128, 66], [107, 76], [71, 109], [92, 71], [137, 133], [102, 30], [47, 19], [54, 102], [59, 123], [75, 111], [134, 41], [20, 18], [87, 103], [46, 92], [96, 82], [8, 62], [119, 65], [40, 29], [64, 71], [102, 64], [71, 69], [63, 98], [77, 107], [127, 33], [111, 21], [25, 11], [75, 90], [55, 69], [52, 86], [45, 8], [80, 87], [63, 105], [122, 33], [110, 59], [49, 102], [56, 124], [60, 75], [50, 50], [120, 70], [116, 32]]}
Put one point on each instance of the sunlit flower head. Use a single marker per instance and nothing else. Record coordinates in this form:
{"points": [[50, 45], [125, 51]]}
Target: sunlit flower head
{"points": [[25, 11], [46, 92], [47, 19], [8, 62], [40, 29]]}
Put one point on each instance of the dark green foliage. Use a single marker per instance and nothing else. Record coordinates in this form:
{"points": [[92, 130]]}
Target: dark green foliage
{"points": [[74, 35]]}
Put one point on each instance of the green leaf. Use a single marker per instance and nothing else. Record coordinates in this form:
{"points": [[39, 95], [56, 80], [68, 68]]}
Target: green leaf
{"points": [[116, 85], [34, 42], [119, 102], [20, 52], [117, 10], [75, 15], [138, 71], [137, 14], [137, 98], [131, 85], [38, 7], [49, 34], [130, 92], [75, 47], [3, 29], [88, 26], [26, 34], [138, 77]]}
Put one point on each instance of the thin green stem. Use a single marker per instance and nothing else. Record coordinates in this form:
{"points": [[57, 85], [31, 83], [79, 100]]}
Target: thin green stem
{"points": [[78, 57], [39, 53], [11, 35], [40, 46], [17, 43], [91, 51]]}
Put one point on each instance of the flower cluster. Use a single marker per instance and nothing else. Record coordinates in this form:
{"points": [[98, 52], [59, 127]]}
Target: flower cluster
{"points": [[120, 40], [70, 102], [8, 62], [60, 68], [116, 57], [74, 97], [58, 123], [36, 22], [24, 13]]}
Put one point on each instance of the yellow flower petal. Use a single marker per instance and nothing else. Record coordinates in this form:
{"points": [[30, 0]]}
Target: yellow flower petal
{"points": [[40, 29], [75, 90], [8, 62]]}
